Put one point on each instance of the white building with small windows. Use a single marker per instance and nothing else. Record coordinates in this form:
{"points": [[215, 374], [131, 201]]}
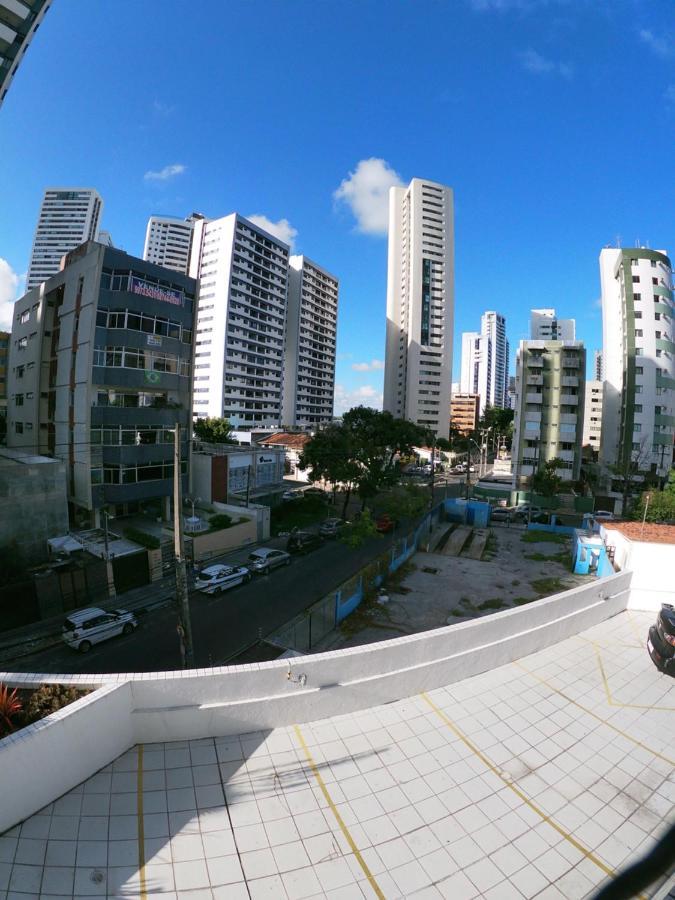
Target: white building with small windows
{"points": [[168, 241], [68, 217], [420, 304], [593, 415], [485, 362], [241, 321], [638, 354]]}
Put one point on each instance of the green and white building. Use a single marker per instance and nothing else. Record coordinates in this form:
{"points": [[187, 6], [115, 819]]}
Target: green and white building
{"points": [[638, 418], [549, 412]]}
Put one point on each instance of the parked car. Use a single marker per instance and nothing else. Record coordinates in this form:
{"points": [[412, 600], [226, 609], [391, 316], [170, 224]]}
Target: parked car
{"points": [[303, 541], [602, 515], [86, 627], [331, 527], [522, 511], [502, 513], [661, 640], [384, 523], [264, 559], [316, 492], [292, 495], [216, 579]]}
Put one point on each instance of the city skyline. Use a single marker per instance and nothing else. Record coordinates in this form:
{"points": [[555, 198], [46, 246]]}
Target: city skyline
{"points": [[556, 71]]}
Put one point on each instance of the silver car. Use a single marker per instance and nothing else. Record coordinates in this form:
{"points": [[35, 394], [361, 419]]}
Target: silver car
{"points": [[215, 579], [265, 559]]}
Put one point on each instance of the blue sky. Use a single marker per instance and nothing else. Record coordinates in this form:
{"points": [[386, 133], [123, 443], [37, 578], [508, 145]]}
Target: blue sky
{"points": [[552, 120]]}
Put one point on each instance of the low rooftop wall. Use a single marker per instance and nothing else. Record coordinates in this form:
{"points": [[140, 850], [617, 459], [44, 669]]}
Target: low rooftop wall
{"points": [[168, 706]]}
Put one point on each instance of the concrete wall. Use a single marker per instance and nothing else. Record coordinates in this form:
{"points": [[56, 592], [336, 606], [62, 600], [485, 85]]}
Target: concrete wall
{"points": [[52, 756], [206, 546], [170, 706], [652, 567]]}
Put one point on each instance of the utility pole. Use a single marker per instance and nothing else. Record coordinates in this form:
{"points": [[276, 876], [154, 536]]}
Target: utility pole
{"points": [[248, 485], [468, 468], [432, 476], [110, 575], [184, 625]]}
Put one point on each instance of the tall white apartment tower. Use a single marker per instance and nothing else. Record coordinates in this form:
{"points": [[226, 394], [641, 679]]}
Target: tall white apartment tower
{"points": [[420, 304], [485, 361], [311, 333], [638, 355], [546, 326], [68, 217], [241, 319], [474, 375], [168, 241]]}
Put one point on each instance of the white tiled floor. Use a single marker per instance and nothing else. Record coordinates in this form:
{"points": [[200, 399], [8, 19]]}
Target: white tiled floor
{"points": [[532, 780]]}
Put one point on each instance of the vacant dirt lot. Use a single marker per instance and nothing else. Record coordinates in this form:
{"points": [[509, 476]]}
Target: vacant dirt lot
{"points": [[435, 589]]}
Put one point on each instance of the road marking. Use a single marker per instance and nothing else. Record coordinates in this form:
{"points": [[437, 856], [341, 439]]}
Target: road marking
{"points": [[329, 800], [522, 796], [141, 828], [590, 712], [616, 703]]}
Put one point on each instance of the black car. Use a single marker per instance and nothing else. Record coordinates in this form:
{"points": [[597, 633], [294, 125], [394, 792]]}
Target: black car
{"points": [[661, 640], [303, 541]]}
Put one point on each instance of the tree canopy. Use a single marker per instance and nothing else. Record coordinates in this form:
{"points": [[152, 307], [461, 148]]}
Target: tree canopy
{"points": [[213, 431], [545, 481]]}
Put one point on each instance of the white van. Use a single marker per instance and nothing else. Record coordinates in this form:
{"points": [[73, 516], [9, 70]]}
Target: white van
{"points": [[86, 627]]}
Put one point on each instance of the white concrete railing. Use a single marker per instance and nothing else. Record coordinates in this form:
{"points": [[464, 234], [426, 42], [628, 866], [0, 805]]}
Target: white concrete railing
{"points": [[167, 706]]}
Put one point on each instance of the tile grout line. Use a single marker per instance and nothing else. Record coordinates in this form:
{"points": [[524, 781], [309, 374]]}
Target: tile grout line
{"points": [[618, 704], [590, 712], [229, 818], [141, 824], [588, 854], [324, 790]]}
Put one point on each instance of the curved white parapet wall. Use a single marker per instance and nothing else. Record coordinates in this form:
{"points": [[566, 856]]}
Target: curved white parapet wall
{"points": [[169, 706]]}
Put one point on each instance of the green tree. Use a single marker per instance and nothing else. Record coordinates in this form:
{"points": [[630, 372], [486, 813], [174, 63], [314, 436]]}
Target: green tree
{"points": [[405, 502], [329, 455], [631, 471], [213, 431], [545, 481], [661, 505], [359, 531]]}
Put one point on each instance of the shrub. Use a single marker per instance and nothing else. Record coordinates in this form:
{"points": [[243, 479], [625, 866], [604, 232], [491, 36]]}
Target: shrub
{"points": [[220, 520], [48, 699], [10, 707], [149, 541], [538, 537]]}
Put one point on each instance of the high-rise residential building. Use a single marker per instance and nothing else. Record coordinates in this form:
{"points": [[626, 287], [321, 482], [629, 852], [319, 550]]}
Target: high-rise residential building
{"points": [[549, 413], [638, 351], [168, 241], [546, 326], [100, 371], [420, 304], [311, 334], [511, 393], [4, 355], [593, 415], [241, 321], [598, 368], [68, 217], [464, 412], [485, 361], [19, 20]]}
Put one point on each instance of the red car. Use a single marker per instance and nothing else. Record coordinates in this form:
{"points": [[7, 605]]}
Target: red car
{"points": [[384, 523]]}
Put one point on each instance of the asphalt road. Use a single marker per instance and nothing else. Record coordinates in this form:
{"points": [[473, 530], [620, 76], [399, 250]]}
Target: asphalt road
{"points": [[223, 624]]}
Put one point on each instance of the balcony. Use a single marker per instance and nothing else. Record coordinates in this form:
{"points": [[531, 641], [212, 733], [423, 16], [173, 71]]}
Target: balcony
{"points": [[569, 399], [566, 455], [535, 379], [570, 381], [571, 362], [534, 398], [535, 362], [568, 418]]}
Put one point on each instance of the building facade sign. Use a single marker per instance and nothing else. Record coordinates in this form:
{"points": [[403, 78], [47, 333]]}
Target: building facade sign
{"points": [[155, 292]]}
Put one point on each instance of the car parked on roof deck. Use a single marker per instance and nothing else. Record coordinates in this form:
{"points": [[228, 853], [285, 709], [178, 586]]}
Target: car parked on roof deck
{"points": [[85, 627], [661, 640], [216, 579]]}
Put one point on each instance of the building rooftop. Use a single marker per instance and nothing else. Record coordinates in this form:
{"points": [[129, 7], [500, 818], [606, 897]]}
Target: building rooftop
{"points": [[650, 532], [539, 778], [19, 457], [294, 441]]}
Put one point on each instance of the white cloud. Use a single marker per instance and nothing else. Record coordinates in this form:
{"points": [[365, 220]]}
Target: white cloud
{"points": [[509, 5], [669, 93], [281, 229], [366, 192], [9, 291], [366, 395], [162, 109], [658, 45], [371, 366], [166, 173], [539, 65]]}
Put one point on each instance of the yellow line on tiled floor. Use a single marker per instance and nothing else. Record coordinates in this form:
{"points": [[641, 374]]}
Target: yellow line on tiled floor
{"points": [[141, 829], [329, 800], [589, 712], [612, 702], [525, 799]]}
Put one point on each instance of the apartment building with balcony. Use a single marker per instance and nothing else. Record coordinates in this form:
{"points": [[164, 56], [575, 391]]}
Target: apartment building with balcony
{"points": [[638, 352], [485, 362], [464, 412], [546, 326], [549, 413], [168, 241], [420, 304], [68, 217], [311, 335], [5, 338], [593, 415], [100, 371], [19, 20], [241, 321]]}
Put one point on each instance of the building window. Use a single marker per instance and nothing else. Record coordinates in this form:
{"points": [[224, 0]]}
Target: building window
{"points": [[24, 317], [636, 279], [18, 427], [637, 427], [638, 407], [638, 332], [638, 388], [638, 371], [18, 399], [638, 351]]}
